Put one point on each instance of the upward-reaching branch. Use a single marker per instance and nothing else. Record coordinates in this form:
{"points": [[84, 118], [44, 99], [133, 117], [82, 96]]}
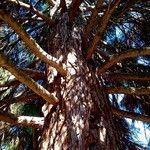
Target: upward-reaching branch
{"points": [[63, 6], [34, 74], [102, 26], [31, 43], [73, 10], [92, 18], [22, 77], [119, 57]]}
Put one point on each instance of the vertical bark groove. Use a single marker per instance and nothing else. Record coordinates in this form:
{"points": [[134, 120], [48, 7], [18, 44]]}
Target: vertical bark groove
{"points": [[69, 125]]}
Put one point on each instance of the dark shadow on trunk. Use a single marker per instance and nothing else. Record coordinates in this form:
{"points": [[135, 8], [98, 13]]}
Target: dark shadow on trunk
{"points": [[82, 120]]}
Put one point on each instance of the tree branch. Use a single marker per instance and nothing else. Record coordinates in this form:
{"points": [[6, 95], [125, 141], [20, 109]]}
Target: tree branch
{"points": [[126, 7], [131, 115], [34, 10], [102, 26], [124, 76], [31, 43], [36, 122], [22, 77], [50, 3], [36, 75], [129, 90], [124, 55], [63, 6], [22, 98], [73, 10], [92, 18]]}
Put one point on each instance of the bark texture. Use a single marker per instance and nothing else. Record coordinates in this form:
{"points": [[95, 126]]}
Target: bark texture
{"points": [[77, 122]]}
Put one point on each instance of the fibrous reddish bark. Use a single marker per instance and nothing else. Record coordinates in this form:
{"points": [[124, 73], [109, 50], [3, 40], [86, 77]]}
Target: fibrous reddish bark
{"points": [[77, 122]]}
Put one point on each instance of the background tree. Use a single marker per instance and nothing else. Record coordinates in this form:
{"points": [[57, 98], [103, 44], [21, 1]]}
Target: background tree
{"points": [[79, 69]]}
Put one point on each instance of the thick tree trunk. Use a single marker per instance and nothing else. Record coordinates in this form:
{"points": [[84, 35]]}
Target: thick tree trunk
{"points": [[78, 122]]}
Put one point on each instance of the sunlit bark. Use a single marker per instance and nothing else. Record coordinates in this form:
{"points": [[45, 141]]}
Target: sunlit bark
{"points": [[70, 125]]}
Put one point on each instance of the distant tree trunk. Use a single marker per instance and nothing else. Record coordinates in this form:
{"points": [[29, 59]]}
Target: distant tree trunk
{"points": [[81, 119]]}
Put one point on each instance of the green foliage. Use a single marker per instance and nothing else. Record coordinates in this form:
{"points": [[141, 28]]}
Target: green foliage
{"points": [[31, 110], [5, 76]]}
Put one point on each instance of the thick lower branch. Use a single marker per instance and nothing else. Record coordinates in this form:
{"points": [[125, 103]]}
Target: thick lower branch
{"points": [[131, 115]]}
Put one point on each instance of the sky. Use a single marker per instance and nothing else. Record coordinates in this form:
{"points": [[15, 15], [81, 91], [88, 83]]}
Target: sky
{"points": [[141, 132]]}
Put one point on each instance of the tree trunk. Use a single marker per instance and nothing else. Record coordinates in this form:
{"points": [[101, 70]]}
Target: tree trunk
{"points": [[82, 118]]}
